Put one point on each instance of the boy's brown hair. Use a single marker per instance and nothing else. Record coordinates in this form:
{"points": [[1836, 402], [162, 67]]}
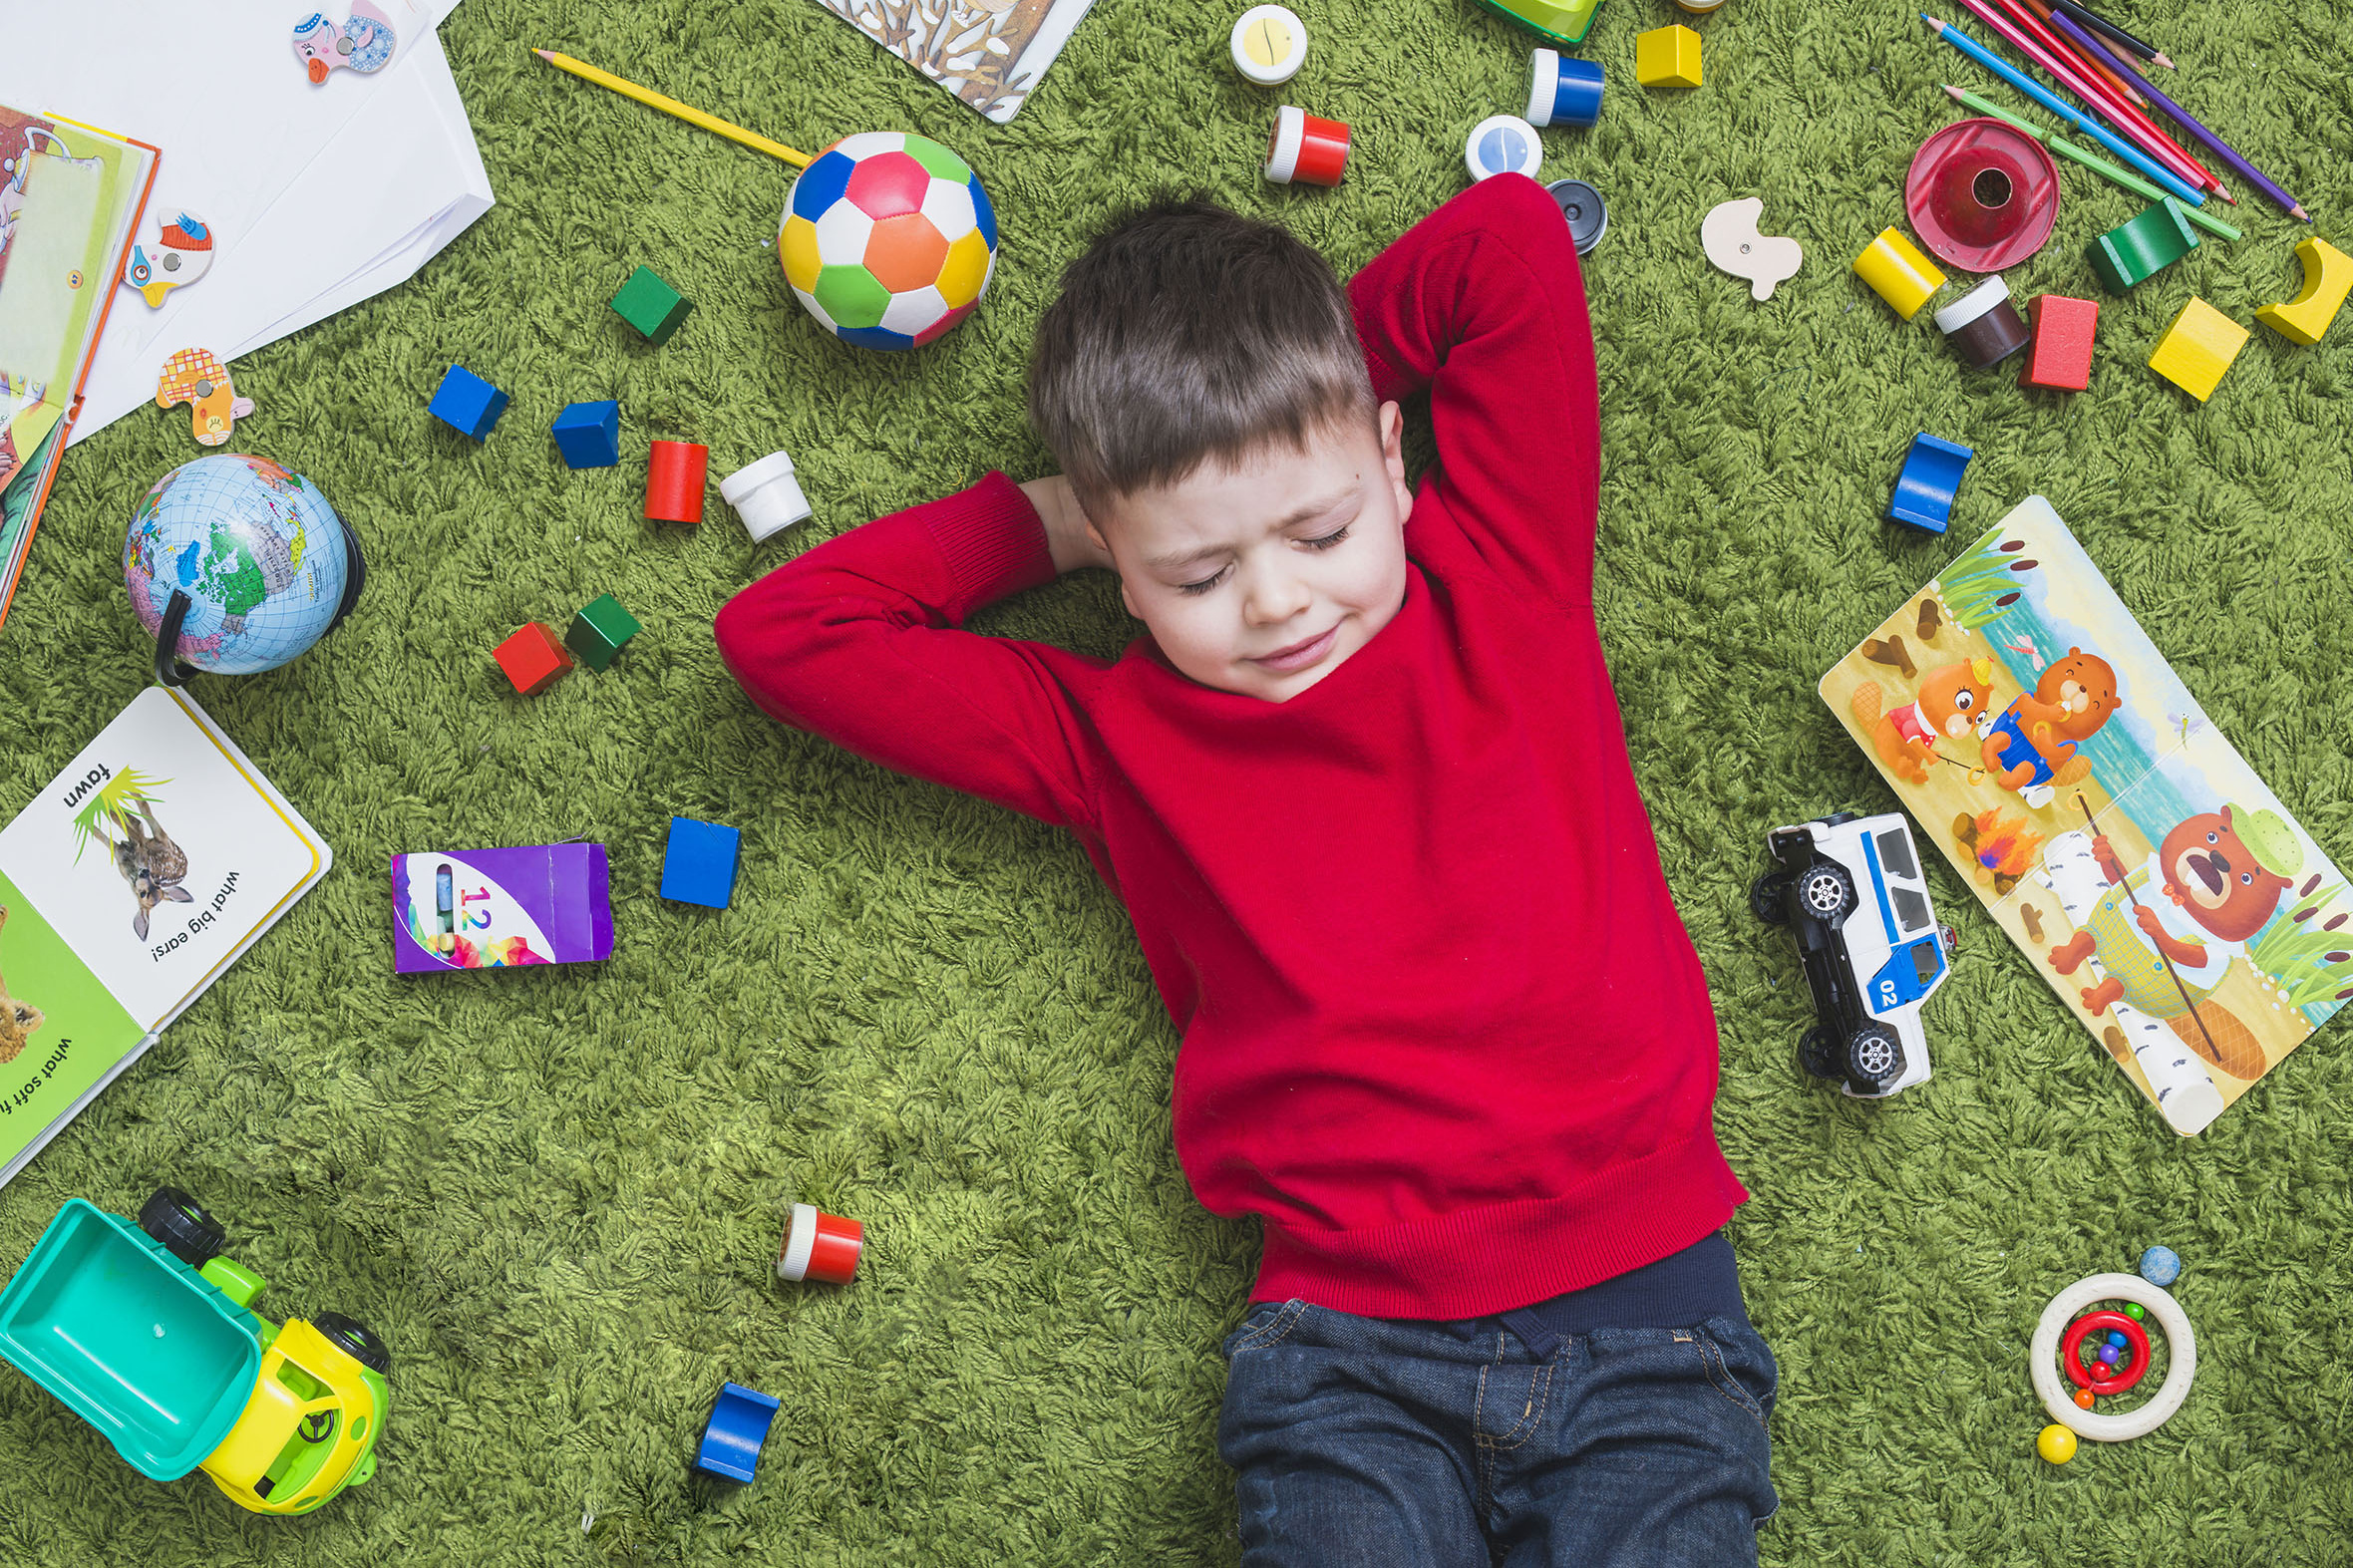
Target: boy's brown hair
{"points": [[1184, 335]]}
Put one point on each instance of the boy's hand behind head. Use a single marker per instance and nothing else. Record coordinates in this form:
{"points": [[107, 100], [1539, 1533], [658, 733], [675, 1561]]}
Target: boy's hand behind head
{"points": [[1200, 380]]}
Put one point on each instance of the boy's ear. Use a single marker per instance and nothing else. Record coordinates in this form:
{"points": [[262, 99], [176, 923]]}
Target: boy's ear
{"points": [[1392, 420]]}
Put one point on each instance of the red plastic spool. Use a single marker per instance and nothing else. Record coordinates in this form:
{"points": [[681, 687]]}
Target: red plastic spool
{"points": [[674, 481], [1982, 195]]}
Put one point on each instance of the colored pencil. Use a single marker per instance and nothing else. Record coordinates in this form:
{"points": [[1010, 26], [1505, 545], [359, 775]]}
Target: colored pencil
{"points": [[2041, 13], [2067, 115], [2196, 128], [2085, 16], [2126, 120], [2098, 165], [671, 105]]}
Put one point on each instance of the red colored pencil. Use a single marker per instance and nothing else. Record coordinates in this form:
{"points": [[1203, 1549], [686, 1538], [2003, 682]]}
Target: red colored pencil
{"points": [[2039, 16], [2116, 111]]}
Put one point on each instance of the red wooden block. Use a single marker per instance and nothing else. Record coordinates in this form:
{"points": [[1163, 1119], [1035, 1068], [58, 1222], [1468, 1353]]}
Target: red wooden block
{"points": [[674, 481], [532, 659], [2061, 358]]}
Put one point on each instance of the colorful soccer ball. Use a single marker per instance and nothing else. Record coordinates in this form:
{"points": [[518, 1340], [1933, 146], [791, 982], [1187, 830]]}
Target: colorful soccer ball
{"points": [[889, 239]]}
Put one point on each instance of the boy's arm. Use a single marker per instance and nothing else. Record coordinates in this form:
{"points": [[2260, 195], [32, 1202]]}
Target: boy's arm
{"points": [[1481, 305], [858, 641]]}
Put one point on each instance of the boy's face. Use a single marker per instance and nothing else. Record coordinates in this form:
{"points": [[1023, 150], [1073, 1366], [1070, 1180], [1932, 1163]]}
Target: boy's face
{"points": [[1263, 577]]}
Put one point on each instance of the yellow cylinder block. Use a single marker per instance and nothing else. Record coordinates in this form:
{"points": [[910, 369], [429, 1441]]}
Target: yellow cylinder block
{"points": [[1904, 277]]}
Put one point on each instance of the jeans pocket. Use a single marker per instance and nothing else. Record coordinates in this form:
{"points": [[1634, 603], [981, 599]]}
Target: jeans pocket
{"points": [[1264, 1323], [1741, 1365]]}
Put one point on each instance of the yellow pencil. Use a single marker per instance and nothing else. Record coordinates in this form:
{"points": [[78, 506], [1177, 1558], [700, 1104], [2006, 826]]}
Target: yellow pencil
{"points": [[671, 105]]}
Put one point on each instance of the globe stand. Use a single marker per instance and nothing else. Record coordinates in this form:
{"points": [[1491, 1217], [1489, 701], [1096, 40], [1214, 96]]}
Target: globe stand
{"points": [[172, 672]]}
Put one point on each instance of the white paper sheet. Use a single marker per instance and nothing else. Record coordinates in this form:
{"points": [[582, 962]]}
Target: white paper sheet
{"points": [[319, 195]]}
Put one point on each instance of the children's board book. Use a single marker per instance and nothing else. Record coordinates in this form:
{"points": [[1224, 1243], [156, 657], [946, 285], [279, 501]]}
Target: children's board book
{"points": [[126, 888], [500, 908], [2177, 908], [71, 198], [989, 53]]}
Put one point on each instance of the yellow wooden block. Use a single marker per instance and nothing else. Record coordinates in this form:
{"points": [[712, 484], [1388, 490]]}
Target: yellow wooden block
{"points": [[2197, 348], [1905, 278], [1667, 57], [2328, 279]]}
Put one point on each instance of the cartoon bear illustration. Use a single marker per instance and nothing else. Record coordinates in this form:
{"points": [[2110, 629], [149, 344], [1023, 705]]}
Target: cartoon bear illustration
{"points": [[1951, 699], [2162, 935], [2036, 736]]}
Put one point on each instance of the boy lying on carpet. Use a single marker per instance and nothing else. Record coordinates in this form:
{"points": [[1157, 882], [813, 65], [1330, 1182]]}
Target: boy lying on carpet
{"points": [[1366, 794]]}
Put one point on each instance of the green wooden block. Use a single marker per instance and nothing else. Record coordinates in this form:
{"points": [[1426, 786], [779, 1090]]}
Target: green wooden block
{"points": [[650, 305], [2148, 243], [598, 631]]}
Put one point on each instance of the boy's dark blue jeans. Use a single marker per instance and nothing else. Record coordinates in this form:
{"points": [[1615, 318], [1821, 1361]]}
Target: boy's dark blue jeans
{"points": [[1389, 1441]]}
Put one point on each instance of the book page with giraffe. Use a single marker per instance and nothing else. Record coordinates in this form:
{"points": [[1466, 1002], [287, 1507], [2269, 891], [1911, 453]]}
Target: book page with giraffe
{"points": [[2174, 904]]}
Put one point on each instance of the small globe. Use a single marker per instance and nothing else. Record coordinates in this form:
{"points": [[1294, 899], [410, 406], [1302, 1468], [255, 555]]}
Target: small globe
{"points": [[258, 564], [889, 239]]}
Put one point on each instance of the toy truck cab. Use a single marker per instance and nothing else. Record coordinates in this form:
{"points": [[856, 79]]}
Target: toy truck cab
{"points": [[147, 1335], [1851, 891]]}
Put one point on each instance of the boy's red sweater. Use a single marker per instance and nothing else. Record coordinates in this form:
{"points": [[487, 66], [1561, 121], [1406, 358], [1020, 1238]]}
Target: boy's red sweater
{"points": [[1443, 1030]]}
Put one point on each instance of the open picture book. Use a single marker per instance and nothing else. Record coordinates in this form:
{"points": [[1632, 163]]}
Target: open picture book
{"points": [[157, 857], [2181, 912]]}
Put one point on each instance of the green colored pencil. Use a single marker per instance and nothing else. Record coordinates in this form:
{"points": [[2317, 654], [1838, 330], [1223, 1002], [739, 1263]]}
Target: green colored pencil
{"points": [[2098, 165]]}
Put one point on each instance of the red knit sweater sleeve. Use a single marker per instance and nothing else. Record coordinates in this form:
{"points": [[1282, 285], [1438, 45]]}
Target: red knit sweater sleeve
{"points": [[859, 641], [1481, 305]]}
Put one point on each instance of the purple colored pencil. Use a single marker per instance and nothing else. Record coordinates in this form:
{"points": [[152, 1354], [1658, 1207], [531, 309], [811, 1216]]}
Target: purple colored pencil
{"points": [[2086, 38]]}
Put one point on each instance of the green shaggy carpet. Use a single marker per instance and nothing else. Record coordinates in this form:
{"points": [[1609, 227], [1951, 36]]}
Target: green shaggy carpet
{"points": [[557, 1192]]}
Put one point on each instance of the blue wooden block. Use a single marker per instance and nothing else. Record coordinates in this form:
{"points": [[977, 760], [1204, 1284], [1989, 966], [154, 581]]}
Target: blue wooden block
{"points": [[739, 1424], [699, 867], [464, 401], [588, 435], [1925, 490]]}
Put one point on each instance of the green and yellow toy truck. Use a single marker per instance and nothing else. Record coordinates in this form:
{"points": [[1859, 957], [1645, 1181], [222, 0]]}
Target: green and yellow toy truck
{"points": [[147, 1334]]}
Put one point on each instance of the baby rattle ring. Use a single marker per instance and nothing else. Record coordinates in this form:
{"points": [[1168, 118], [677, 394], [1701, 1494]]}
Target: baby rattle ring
{"points": [[2043, 1353]]}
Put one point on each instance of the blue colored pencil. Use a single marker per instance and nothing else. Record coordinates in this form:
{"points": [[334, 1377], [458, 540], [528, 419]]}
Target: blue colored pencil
{"points": [[2073, 117]]}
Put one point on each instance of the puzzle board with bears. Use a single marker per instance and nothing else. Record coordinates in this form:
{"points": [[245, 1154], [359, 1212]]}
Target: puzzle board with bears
{"points": [[2174, 904]]}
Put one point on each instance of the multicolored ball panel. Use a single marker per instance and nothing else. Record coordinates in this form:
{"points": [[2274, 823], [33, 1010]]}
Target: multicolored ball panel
{"points": [[889, 239]]}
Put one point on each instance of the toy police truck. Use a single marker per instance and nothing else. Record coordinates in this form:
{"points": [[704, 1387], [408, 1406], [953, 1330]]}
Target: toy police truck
{"points": [[1851, 891]]}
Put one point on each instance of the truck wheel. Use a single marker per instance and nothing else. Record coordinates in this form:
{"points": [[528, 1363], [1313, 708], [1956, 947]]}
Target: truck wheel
{"points": [[1874, 1055], [1769, 897], [356, 1339], [181, 1223], [1826, 891], [1817, 1052]]}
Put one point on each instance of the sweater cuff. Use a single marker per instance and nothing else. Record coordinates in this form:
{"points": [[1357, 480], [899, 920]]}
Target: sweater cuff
{"points": [[993, 541]]}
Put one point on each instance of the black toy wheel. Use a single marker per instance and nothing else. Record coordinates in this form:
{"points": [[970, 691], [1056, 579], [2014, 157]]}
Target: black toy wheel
{"points": [[1874, 1055], [1817, 1052], [181, 1223], [1769, 897], [356, 1339], [1826, 891]]}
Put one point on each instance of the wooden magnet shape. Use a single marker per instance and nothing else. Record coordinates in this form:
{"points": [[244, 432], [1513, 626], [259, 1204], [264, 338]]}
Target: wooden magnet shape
{"points": [[1893, 266], [364, 41], [196, 377], [2197, 348], [2328, 279], [1729, 236], [171, 254]]}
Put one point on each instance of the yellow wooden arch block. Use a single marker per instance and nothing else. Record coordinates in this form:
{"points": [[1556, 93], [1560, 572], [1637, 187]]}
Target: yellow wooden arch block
{"points": [[2197, 348], [2328, 279]]}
